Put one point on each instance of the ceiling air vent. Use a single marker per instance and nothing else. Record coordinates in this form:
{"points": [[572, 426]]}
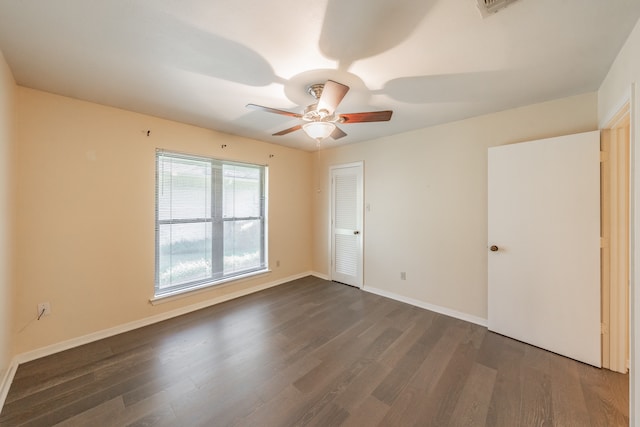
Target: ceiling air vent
{"points": [[489, 7]]}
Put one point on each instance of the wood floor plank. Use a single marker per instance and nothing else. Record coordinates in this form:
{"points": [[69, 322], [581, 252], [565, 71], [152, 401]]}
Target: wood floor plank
{"points": [[315, 353], [397, 379], [472, 407], [603, 407], [569, 406], [442, 400], [354, 395], [151, 407], [491, 348], [61, 398], [67, 406], [42, 368], [535, 405], [276, 411], [101, 415], [392, 357], [272, 391], [504, 406], [326, 395], [162, 414], [406, 409], [370, 412], [330, 416], [432, 368]]}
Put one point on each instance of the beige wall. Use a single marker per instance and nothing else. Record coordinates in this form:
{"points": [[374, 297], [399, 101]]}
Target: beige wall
{"points": [[85, 213], [615, 90], [7, 92], [427, 192]]}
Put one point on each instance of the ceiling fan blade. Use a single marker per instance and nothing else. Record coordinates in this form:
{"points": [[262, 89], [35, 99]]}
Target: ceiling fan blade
{"points": [[372, 116], [286, 131], [337, 133], [332, 94], [274, 110]]}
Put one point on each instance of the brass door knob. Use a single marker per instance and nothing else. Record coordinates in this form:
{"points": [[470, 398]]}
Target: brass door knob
{"points": [[493, 248]]}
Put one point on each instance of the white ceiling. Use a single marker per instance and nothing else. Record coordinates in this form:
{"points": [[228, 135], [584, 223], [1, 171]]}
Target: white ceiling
{"points": [[202, 61]]}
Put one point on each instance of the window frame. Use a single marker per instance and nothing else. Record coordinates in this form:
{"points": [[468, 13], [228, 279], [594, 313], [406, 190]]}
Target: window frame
{"points": [[217, 221]]}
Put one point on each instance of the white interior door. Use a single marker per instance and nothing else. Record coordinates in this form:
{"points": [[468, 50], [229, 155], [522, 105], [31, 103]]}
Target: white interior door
{"points": [[346, 224], [544, 221]]}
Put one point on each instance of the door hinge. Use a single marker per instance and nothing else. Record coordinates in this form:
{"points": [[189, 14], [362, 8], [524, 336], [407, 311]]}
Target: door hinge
{"points": [[604, 156], [604, 329]]}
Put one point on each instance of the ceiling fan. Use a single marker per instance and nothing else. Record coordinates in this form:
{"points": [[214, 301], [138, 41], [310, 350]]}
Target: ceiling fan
{"points": [[321, 117]]}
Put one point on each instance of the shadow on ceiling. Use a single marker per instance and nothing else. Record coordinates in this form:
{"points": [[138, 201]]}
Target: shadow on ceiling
{"points": [[380, 26]]}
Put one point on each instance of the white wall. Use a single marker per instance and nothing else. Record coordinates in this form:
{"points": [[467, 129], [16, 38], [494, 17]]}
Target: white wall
{"points": [[7, 92], [427, 192], [614, 91]]}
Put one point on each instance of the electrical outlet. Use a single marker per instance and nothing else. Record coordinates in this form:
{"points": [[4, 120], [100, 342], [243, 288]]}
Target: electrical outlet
{"points": [[44, 309], [403, 275]]}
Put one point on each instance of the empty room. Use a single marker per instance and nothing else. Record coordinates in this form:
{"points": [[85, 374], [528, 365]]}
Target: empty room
{"points": [[332, 213]]}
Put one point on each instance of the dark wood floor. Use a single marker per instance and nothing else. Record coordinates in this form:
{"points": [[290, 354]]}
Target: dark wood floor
{"points": [[312, 352]]}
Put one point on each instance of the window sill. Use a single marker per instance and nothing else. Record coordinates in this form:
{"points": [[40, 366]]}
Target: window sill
{"points": [[183, 293]]}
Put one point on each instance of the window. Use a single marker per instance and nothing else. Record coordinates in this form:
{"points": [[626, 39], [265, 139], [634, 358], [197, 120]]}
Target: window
{"points": [[210, 221]]}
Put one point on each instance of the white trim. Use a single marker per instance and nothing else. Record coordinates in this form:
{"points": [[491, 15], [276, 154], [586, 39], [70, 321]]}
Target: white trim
{"points": [[7, 379], [615, 110], [431, 307], [320, 275], [194, 290], [347, 165], [126, 327]]}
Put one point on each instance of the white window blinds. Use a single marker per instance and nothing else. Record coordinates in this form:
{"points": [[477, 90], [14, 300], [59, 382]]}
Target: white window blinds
{"points": [[210, 221]]}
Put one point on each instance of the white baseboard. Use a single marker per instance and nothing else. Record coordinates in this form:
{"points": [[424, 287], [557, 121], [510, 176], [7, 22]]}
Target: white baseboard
{"points": [[319, 275], [105, 333], [7, 379], [431, 307]]}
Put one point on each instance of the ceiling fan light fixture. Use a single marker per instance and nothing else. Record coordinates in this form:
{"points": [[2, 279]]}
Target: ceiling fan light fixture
{"points": [[321, 117], [318, 130]]}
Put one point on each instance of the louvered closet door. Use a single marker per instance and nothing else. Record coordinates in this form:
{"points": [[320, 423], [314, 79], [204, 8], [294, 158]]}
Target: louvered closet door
{"points": [[346, 224]]}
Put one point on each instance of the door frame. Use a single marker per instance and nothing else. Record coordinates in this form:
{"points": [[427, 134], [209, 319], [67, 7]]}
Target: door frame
{"points": [[634, 267], [615, 144], [632, 96], [330, 248]]}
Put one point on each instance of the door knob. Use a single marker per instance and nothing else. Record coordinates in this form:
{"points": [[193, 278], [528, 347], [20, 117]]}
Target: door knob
{"points": [[356, 232], [493, 248]]}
